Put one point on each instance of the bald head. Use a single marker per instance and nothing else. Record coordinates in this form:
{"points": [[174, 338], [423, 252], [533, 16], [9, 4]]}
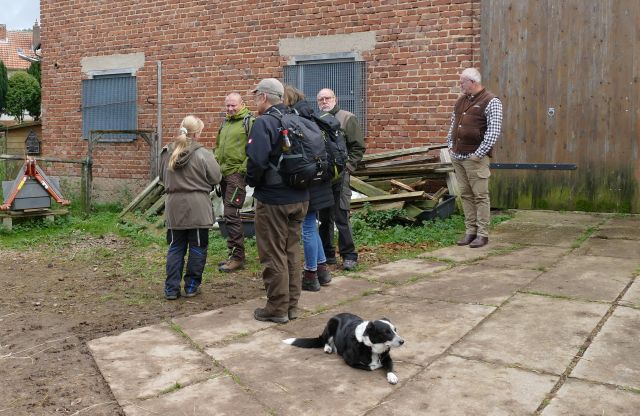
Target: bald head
{"points": [[233, 103]]}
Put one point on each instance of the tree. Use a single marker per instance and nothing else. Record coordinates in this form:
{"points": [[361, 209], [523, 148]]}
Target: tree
{"points": [[34, 71], [23, 95], [4, 86]]}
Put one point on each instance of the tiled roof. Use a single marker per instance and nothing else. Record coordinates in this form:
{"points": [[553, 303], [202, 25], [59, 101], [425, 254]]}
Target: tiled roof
{"points": [[9, 49]]}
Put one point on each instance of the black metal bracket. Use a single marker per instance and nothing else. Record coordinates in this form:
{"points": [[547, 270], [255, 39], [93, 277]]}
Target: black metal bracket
{"points": [[534, 166]]}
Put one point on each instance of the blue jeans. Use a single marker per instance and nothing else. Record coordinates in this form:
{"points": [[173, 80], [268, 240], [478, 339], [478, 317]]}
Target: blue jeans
{"points": [[313, 251], [196, 242]]}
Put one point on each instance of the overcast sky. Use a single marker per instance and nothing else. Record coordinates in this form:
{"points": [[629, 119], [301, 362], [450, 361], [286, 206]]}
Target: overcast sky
{"points": [[19, 14]]}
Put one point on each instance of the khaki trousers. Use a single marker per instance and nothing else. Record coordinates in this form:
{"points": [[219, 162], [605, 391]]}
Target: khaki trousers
{"points": [[278, 244], [473, 180]]}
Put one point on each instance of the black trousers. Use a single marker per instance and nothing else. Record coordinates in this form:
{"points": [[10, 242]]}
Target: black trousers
{"points": [[338, 214], [197, 241], [233, 194]]}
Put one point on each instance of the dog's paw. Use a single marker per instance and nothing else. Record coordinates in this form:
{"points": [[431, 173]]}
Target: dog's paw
{"points": [[392, 378], [328, 349]]}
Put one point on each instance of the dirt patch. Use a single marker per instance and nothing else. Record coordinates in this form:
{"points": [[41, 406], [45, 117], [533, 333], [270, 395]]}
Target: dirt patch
{"points": [[56, 299]]}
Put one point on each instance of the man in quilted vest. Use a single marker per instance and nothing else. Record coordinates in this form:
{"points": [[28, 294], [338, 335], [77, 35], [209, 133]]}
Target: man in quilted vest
{"points": [[476, 123]]}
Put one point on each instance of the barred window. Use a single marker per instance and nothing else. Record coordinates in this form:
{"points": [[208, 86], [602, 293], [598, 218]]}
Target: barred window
{"points": [[109, 103], [347, 78]]}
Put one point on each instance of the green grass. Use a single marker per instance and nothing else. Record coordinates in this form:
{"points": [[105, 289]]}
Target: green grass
{"points": [[139, 250]]}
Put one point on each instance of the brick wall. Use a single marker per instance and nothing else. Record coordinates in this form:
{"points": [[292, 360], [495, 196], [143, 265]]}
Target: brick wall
{"points": [[208, 49]]}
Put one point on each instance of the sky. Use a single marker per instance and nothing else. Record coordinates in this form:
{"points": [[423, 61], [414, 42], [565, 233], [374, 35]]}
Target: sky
{"points": [[19, 14]]}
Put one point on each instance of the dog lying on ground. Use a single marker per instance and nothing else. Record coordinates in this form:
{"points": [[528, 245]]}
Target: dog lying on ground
{"points": [[362, 344]]}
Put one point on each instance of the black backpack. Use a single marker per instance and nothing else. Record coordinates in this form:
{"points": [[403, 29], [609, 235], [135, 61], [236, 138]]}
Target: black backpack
{"points": [[336, 143], [304, 159]]}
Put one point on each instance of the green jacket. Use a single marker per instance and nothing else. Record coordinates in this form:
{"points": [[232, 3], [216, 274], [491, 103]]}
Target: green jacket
{"points": [[231, 142], [353, 134]]}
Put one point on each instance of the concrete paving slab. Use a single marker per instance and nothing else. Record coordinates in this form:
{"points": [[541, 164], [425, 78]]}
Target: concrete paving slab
{"points": [[215, 326], [220, 396], [586, 277], [402, 271], [161, 358], [559, 217], [428, 327], [297, 381], [577, 397], [532, 257], [625, 227], [632, 297], [614, 356], [466, 254], [456, 386], [618, 248], [534, 332], [341, 289], [537, 234], [469, 284]]}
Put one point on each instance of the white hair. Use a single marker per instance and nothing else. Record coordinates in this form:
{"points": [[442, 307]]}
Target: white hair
{"points": [[472, 74]]}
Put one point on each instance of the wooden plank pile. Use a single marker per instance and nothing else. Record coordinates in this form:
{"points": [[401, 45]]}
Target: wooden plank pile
{"points": [[410, 179]]}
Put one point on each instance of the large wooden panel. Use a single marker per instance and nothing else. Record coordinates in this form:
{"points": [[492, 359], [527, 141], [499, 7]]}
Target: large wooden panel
{"points": [[567, 71]]}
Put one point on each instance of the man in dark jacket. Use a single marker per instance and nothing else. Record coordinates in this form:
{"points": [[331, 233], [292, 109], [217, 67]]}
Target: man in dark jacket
{"points": [[230, 153], [280, 209], [475, 127], [339, 213]]}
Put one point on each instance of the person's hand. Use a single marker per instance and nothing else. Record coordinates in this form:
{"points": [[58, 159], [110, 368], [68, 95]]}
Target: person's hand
{"points": [[350, 167], [475, 158]]}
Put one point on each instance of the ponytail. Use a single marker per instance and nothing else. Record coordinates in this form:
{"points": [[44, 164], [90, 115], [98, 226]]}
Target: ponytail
{"points": [[190, 127]]}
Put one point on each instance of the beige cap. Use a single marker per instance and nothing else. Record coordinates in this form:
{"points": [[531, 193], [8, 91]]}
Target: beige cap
{"points": [[270, 86]]}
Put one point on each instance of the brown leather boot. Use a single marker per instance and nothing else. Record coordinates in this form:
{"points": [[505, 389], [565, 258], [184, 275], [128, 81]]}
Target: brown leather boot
{"points": [[231, 265], [479, 241], [468, 238], [310, 281], [324, 275]]}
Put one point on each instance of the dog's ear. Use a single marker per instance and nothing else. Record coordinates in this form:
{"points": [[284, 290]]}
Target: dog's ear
{"points": [[368, 328]]}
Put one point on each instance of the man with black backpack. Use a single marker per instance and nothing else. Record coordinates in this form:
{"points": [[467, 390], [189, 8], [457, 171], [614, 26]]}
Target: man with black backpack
{"points": [[230, 153], [280, 206], [339, 214]]}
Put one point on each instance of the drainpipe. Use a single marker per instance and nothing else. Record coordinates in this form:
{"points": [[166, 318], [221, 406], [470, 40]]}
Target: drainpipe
{"points": [[159, 109]]}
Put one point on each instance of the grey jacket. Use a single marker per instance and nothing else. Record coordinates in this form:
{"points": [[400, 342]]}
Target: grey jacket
{"points": [[188, 204]]}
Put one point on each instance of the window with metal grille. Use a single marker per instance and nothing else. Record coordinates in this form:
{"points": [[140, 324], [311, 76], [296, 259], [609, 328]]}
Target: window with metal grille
{"points": [[348, 79], [109, 103]]}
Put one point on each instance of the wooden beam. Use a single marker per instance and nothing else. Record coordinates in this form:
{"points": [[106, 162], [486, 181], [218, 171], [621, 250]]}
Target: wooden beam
{"points": [[401, 152], [364, 188], [409, 196], [140, 196], [452, 182], [401, 185], [406, 170]]}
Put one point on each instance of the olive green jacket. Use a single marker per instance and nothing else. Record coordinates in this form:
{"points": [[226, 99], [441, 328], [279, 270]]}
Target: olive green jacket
{"points": [[231, 142]]}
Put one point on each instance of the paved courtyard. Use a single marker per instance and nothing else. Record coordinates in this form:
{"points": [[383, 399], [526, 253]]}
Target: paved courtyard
{"points": [[544, 320]]}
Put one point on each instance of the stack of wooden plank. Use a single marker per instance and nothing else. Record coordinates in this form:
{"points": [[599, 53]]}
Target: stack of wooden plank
{"points": [[409, 179]]}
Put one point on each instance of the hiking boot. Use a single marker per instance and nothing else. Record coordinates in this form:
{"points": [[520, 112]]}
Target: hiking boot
{"points": [[324, 275], [466, 240], [350, 264], [332, 260], [293, 313], [171, 296], [310, 281], [223, 262], [479, 241], [231, 265], [192, 293], [261, 314]]}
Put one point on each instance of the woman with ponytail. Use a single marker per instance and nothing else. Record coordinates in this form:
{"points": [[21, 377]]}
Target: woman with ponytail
{"points": [[189, 173]]}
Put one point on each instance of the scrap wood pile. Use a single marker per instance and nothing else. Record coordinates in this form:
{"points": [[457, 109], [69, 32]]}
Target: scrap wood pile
{"points": [[408, 179]]}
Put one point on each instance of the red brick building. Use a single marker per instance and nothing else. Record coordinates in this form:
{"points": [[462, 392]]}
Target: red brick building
{"points": [[406, 55]]}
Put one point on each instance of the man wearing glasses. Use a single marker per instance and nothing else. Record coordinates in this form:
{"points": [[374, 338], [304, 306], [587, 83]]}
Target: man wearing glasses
{"points": [[475, 127], [339, 213]]}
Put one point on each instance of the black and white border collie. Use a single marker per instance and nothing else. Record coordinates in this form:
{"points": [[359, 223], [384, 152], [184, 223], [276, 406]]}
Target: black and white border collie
{"points": [[362, 344]]}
